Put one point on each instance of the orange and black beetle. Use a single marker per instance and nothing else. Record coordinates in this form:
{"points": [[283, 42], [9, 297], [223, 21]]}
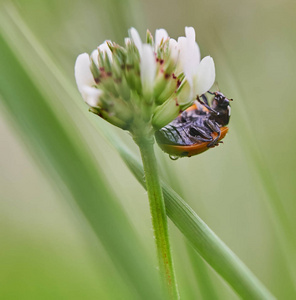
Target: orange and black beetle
{"points": [[197, 129]]}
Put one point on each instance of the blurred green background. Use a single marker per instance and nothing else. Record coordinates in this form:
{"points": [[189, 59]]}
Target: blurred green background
{"points": [[51, 150]]}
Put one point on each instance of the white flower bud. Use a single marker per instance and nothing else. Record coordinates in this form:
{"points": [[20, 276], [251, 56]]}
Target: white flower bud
{"points": [[161, 36], [148, 71]]}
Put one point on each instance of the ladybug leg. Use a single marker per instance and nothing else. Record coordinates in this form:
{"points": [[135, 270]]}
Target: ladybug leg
{"points": [[206, 103], [199, 134], [215, 128], [205, 99]]}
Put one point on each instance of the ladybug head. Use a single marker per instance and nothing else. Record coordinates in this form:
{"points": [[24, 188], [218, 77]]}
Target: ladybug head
{"points": [[221, 105], [220, 101]]}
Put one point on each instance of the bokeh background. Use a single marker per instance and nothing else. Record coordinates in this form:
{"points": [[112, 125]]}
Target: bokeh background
{"points": [[53, 156]]}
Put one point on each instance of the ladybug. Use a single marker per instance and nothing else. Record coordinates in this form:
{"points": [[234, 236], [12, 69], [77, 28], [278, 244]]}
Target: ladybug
{"points": [[197, 129]]}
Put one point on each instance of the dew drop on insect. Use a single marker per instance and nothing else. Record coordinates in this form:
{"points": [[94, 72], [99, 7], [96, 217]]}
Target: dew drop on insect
{"points": [[172, 157]]}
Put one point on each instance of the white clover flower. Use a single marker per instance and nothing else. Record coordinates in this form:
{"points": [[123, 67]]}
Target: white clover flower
{"points": [[164, 74], [200, 75]]}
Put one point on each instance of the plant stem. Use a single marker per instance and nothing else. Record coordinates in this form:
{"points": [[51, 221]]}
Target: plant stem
{"points": [[159, 218]]}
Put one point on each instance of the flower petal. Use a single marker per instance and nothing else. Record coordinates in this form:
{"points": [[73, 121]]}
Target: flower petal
{"points": [[160, 35], [189, 57], [182, 52], [92, 96], [105, 48], [148, 69], [192, 48], [174, 50], [83, 74], [205, 75], [127, 41], [192, 54], [134, 35], [190, 33], [85, 80], [94, 56]]}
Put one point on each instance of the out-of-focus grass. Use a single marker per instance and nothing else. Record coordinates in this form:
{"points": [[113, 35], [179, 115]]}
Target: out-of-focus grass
{"points": [[253, 46], [74, 165]]}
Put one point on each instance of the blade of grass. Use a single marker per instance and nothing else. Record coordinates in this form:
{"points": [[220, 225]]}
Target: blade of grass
{"points": [[200, 270], [283, 227], [206, 286], [201, 237], [75, 167]]}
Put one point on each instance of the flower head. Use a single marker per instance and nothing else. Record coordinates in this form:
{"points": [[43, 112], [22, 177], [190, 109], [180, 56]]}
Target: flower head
{"points": [[144, 84]]}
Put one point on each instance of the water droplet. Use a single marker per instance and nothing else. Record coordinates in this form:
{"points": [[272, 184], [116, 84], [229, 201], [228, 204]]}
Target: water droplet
{"points": [[172, 157]]}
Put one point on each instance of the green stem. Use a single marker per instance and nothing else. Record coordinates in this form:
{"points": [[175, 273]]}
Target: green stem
{"points": [[159, 218]]}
